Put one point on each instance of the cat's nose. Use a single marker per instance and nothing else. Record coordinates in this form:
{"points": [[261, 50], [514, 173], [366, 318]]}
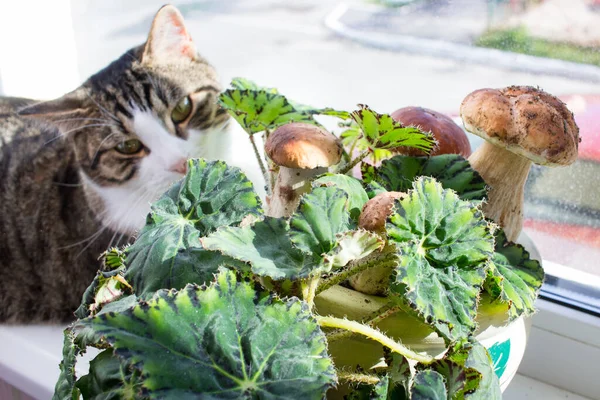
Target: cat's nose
{"points": [[180, 166]]}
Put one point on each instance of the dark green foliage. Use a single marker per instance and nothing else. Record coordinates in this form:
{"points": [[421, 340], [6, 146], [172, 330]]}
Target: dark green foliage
{"points": [[513, 277], [168, 253], [445, 243], [245, 346], [450, 170]]}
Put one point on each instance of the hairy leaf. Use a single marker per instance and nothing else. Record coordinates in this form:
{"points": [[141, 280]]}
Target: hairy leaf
{"points": [[445, 243], [320, 216], [451, 170], [257, 109], [110, 378], [266, 245], [363, 391], [382, 132], [428, 385], [399, 373], [351, 246], [247, 84], [514, 277], [467, 371], [222, 342], [113, 266], [357, 196], [65, 386], [489, 386], [167, 253]]}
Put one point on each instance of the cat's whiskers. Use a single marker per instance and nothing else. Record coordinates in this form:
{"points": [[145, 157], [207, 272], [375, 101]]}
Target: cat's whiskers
{"points": [[91, 241], [84, 119], [104, 110], [61, 134], [95, 235], [100, 145]]}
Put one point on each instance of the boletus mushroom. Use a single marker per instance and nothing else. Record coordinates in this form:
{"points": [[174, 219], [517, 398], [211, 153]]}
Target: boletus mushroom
{"points": [[451, 138], [521, 125], [302, 151], [373, 217]]}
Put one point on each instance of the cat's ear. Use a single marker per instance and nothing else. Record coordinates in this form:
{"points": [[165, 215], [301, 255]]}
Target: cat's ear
{"points": [[63, 112], [169, 42]]}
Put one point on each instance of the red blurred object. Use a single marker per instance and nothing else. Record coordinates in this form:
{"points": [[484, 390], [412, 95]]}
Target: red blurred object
{"points": [[586, 109]]}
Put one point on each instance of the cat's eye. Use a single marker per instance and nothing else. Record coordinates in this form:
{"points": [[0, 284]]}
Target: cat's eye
{"points": [[182, 110], [130, 146]]}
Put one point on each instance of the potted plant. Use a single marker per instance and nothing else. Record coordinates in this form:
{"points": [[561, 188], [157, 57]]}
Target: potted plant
{"points": [[224, 296]]}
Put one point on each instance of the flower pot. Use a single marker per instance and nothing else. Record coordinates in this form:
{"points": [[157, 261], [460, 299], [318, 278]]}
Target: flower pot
{"points": [[505, 341]]}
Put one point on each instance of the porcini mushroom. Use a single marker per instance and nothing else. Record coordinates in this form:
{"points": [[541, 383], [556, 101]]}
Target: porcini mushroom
{"points": [[451, 138], [521, 125], [373, 217], [302, 151]]}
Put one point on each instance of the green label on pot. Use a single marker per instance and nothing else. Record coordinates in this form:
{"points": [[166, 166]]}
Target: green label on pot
{"points": [[500, 353]]}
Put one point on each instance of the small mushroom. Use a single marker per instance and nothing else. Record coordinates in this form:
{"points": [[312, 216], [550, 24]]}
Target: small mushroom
{"points": [[451, 138], [302, 151], [374, 214], [376, 211], [521, 125]]}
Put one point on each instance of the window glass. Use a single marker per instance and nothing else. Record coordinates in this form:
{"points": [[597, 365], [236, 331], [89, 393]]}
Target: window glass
{"points": [[395, 53]]}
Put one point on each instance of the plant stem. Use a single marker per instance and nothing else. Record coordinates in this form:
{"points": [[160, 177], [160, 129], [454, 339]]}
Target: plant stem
{"points": [[352, 164], [309, 289], [263, 169], [384, 259], [372, 320], [358, 378], [373, 334]]}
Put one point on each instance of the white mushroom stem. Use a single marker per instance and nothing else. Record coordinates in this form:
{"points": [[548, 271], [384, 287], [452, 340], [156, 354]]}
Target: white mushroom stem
{"points": [[505, 173], [290, 185]]}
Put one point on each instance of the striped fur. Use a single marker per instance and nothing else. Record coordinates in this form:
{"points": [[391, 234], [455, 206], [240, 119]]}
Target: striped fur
{"points": [[67, 194]]}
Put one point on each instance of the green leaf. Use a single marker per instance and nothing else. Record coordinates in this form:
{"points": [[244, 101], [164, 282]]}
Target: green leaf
{"points": [[467, 371], [514, 277], [489, 386], [109, 379], [363, 391], [259, 110], [320, 216], [451, 170], [382, 132], [266, 245], [373, 189], [167, 253], [114, 258], [247, 84], [428, 385], [399, 373], [221, 342], [112, 269], [445, 243], [351, 246], [65, 386], [357, 196]]}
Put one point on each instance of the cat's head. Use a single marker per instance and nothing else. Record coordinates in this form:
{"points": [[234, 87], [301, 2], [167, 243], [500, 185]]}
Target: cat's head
{"points": [[134, 124]]}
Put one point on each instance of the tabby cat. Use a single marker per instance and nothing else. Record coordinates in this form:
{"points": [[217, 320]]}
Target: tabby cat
{"points": [[77, 173]]}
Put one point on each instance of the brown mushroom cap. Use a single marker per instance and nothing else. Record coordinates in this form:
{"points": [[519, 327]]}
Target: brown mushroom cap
{"points": [[451, 138], [303, 146], [524, 120], [376, 211]]}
